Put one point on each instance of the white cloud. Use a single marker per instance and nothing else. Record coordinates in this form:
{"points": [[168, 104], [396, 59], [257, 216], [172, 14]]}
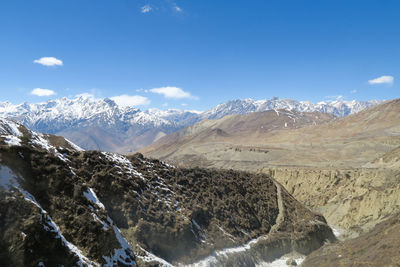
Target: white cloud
{"points": [[146, 9], [49, 61], [177, 8], [165, 105], [142, 90], [353, 91], [184, 104], [383, 79], [172, 92], [131, 100], [42, 92]]}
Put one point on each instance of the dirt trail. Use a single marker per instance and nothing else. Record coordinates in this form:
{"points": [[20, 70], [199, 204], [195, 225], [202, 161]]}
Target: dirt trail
{"points": [[281, 215]]}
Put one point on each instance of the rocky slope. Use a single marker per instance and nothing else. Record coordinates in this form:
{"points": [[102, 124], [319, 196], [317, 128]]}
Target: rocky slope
{"points": [[62, 205], [353, 199], [103, 125], [379, 247], [233, 138], [352, 141], [364, 189]]}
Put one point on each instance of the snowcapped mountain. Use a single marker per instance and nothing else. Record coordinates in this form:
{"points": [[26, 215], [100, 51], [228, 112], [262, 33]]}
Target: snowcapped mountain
{"points": [[56, 115], [339, 108], [101, 124]]}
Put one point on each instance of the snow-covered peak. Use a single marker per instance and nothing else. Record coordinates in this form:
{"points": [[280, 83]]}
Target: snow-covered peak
{"points": [[55, 115], [338, 108], [95, 123]]}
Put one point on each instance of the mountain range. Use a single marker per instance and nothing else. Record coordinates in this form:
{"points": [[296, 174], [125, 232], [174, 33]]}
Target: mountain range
{"points": [[65, 205], [61, 205], [288, 137], [103, 125]]}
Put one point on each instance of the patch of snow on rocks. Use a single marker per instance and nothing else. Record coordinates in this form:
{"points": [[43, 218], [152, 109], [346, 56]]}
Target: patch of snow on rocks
{"points": [[96, 218], [123, 163], [282, 262], [8, 127], [12, 140], [123, 254], [74, 146], [224, 253], [150, 257], [39, 140], [91, 196], [50, 225]]}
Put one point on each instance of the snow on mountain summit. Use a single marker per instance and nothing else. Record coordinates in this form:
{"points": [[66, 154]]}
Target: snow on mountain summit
{"points": [[95, 123], [339, 108]]}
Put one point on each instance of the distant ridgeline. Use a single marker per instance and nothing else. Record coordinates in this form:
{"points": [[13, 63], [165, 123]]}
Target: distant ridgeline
{"points": [[103, 125]]}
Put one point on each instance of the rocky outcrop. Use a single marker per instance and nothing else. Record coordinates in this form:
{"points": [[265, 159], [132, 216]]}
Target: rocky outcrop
{"points": [[61, 205], [352, 199]]}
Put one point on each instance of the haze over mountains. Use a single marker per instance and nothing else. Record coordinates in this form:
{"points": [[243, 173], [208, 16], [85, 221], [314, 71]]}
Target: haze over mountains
{"points": [[102, 124]]}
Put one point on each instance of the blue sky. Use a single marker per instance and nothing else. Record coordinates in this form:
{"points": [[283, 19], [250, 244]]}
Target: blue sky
{"points": [[169, 54]]}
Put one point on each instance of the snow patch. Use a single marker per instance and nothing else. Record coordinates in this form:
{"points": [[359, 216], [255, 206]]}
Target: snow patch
{"points": [[123, 254], [91, 196], [96, 218], [281, 262], [224, 253], [39, 140], [150, 257], [12, 140], [50, 225], [231, 237], [74, 146], [8, 127], [123, 163]]}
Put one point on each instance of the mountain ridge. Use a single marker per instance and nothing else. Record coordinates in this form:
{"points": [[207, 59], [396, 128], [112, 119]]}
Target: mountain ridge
{"points": [[90, 122], [351, 141]]}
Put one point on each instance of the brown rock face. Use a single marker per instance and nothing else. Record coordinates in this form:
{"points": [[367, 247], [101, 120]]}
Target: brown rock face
{"points": [[352, 199]]}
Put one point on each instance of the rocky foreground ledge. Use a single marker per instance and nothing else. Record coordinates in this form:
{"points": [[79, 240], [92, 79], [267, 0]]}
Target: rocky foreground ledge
{"points": [[62, 205]]}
